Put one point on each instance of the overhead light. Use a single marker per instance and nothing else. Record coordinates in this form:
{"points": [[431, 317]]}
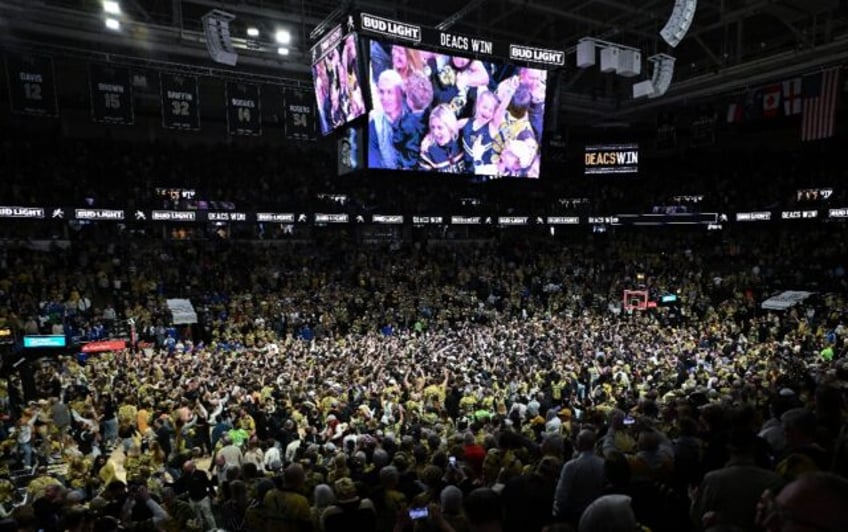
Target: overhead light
{"points": [[253, 32], [679, 21], [111, 7], [282, 50], [282, 37], [113, 24]]}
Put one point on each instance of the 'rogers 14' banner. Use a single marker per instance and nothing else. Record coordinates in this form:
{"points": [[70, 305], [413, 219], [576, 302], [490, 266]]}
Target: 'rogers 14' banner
{"points": [[467, 45]]}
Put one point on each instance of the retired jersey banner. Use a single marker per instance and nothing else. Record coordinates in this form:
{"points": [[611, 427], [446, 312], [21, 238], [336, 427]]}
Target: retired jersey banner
{"points": [[243, 113], [180, 103], [111, 94], [299, 114], [32, 85]]}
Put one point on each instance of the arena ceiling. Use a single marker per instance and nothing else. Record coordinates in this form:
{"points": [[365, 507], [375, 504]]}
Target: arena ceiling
{"points": [[732, 44]]}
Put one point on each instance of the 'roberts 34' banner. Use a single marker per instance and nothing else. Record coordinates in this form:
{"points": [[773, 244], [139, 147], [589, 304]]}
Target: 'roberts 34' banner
{"points": [[467, 45], [299, 115]]}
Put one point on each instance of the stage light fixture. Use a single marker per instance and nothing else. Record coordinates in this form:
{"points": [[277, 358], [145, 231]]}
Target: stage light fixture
{"points": [[282, 37], [216, 27], [111, 7], [282, 50], [113, 24], [679, 21], [253, 32]]}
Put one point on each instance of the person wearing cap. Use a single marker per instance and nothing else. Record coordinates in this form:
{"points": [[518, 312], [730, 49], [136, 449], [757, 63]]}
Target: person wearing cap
{"points": [[350, 512]]}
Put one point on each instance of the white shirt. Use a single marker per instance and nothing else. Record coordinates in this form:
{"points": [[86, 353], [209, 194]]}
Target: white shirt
{"points": [[270, 455]]}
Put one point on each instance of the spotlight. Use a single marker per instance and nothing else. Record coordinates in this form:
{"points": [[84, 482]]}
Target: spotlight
{"points": [[282, 37], [253, 32], [679, 21], [282, 50], [113, 24], [111, 7]]}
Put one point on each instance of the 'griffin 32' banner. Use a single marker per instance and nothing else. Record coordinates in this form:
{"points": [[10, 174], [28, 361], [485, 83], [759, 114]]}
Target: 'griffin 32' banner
{"points": [[300, 114], [32, 85], [180, 104], [244, 116], [111, 94]]}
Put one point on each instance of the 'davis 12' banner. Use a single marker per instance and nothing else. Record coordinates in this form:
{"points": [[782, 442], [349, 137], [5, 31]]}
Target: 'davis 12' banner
{"points": [[180, 104], [111, 94], [244, 116], [32, 85], [464, 44]]}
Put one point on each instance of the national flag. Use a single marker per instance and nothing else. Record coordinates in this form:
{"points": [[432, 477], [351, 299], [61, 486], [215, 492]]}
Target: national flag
{"points": [[792, 97], [735, 112], [771, 101], [818, 113], [754, 105]]}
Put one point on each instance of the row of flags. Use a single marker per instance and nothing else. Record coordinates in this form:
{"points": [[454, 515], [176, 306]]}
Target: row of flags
{"points": [[814, 97]]}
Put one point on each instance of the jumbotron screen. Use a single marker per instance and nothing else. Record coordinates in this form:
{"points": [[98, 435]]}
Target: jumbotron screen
{"points": [[336, 76], [451, 114]]}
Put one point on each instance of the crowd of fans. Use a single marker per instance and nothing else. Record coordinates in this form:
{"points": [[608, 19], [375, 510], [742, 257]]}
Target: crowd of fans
{"points": [[464, 386], [471, 387]]}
